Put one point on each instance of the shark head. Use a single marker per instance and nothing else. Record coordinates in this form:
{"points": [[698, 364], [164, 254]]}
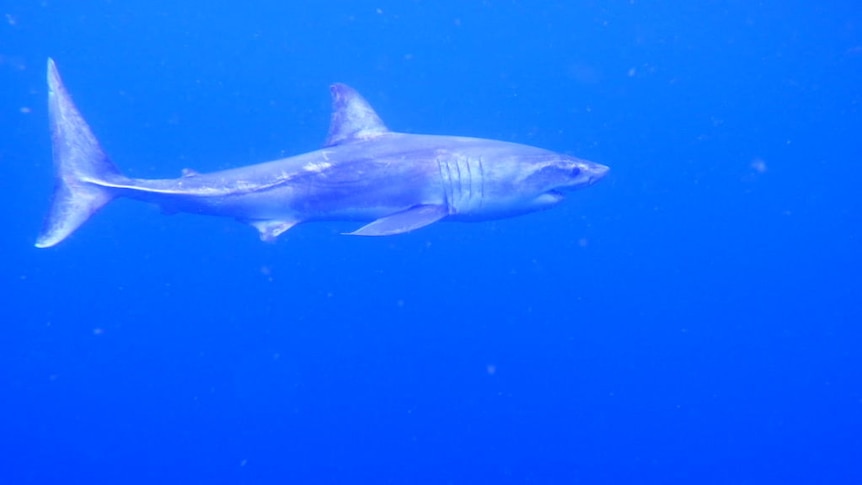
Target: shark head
{"points": [[555, 173], [514, 178], [542, 178]]}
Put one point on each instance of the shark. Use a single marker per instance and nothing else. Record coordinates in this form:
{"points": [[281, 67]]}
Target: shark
{"points": [[391, 182]]}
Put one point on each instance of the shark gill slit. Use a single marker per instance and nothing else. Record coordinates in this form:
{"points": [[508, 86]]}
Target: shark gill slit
{"points": [[472, 195], [443, 181], [449, 186], [481, 181], [462, 194], [469, 195], [460, 181]]}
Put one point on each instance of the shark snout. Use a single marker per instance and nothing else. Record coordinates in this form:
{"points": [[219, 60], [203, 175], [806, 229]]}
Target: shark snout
{"points": [[597, 171], [590, 172]]}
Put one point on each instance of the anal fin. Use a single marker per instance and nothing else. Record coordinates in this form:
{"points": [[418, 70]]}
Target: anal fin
{"points": [[401, 222]]}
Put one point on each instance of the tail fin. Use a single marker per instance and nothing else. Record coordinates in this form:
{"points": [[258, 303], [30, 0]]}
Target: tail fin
{"points": [[80, 167]]}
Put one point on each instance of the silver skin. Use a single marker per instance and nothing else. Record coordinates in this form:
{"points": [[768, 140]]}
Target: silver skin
{"points": [[396, 182]]}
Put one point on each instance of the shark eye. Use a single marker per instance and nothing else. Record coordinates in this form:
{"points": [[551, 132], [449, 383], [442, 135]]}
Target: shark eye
{"points": [[575, 172]]}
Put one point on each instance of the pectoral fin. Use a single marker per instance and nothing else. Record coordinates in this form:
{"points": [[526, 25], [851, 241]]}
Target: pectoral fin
{"points": [[401, 222], [270, 230]]}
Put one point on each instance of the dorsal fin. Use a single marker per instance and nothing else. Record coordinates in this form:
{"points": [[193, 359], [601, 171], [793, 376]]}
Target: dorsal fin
{"points": [[353, 119]]}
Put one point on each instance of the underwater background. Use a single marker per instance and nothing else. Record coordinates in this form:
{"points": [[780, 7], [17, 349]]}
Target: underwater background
{"points": [[695, 317]]}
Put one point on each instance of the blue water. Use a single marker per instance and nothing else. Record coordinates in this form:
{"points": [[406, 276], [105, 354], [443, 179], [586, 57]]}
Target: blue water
{"points": [[696, 317]]}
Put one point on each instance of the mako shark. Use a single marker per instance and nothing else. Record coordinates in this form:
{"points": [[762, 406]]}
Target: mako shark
{"points": [[395, 182]]}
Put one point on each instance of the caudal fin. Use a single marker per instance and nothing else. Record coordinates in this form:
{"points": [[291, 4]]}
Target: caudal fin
{"points": [[81, 167]]}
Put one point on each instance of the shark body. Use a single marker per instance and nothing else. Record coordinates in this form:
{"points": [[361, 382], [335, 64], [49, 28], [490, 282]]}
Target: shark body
{"points": [[395, 182]]}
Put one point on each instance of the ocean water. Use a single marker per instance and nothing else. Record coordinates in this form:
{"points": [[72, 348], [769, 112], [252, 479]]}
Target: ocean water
{"points": [[695, 317]]}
